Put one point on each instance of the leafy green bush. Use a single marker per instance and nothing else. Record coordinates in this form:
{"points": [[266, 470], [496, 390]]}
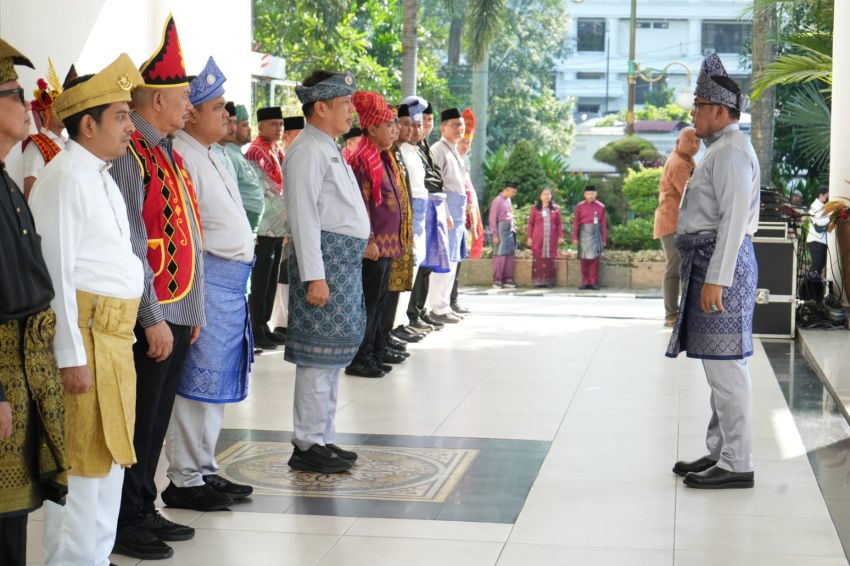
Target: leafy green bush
{"points": [[641, 191], [666, 113], [624, 153], [521, 214], [636, 235], [523, 167]]}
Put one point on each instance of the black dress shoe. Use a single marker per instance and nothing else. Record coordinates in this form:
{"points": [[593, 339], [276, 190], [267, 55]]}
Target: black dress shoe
{"points": [[359, 369], [396, 343], [140, 543], [199, 498], [344, 454], [280, 330], [459, 310], [428, 319], [396, 352], [682, 468], [318, 458], [718, 478], [390, 358], [163, 528], [276, 337], [234, 490], [378, 364], [262, 341], [420, 325], [405, 335]]}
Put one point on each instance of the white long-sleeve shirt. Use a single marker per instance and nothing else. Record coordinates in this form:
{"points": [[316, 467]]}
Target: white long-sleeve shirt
{"points": [[818, 219], [85, 239], [321, 195], [723, 197], [415, 170], [227, 233]]}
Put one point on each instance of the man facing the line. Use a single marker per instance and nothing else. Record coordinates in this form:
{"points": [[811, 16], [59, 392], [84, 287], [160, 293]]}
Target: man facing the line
{"points": [[590, 232], [330, 230]]}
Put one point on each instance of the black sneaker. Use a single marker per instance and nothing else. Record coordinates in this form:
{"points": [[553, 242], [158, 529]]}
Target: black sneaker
{"points": [[459, 310], [140, 543], [163, 528], [359, 369], [318, 459], [344, 454], [199, 498], [234, 490]]}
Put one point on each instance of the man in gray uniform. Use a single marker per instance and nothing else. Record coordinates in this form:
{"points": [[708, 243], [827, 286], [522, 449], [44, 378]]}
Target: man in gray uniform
{"points": [[719, 215], [330, 230]]}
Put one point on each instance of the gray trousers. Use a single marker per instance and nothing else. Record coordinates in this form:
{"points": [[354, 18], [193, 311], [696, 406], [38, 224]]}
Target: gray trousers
{"points": [[314, 414], [729, 438], [190, 441], [671, 276]]}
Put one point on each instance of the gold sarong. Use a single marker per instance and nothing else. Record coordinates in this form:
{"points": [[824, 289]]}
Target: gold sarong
{"points": [[99, 424], [401, 268]]}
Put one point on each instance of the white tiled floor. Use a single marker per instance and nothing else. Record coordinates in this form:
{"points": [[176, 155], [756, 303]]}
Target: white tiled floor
{"points": [[574, 371]]}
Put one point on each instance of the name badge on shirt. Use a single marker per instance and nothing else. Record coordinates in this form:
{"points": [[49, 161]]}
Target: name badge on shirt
{"points": [[334, 159]]}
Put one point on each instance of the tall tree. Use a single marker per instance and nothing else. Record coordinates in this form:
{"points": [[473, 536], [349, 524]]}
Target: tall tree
{"points": [[410, 47], [764, 53]]}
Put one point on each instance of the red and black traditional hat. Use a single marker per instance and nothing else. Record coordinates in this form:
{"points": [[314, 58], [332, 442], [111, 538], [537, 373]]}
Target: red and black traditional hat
{"points": [[165, 68]]}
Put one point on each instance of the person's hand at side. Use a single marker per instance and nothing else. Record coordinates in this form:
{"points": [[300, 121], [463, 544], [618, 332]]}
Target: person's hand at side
{"points": [[160, 341], [318, 293], [76, 379]]}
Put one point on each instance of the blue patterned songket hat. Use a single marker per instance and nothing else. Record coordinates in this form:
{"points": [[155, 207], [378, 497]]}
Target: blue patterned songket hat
{"points": [[712, 67], [417, 106], [340, 84], [207, 85]]}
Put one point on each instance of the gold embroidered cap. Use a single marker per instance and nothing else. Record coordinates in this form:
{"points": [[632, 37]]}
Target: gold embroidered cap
{"points": [[9, 57], [112, 84]]}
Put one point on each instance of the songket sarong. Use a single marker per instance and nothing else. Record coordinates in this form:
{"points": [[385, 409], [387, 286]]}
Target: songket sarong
{"points": [[437, 236], [726, 335], [328, 336], [457, 234], [420, 245], [543, 264], [218, 364], [507, 239], [32, 460], [589, 241]]}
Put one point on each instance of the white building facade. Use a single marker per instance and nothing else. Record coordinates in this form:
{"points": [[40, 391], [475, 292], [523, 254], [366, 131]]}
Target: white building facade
{"points": [[667, 31]]}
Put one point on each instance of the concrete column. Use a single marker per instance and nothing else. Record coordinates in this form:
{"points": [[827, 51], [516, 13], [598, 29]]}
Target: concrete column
{"points": [[839, 166], [694, 37]]}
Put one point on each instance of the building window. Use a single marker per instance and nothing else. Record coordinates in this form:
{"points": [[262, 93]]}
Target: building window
{"points": [[725, 37], [590, 76], [588, 108], [591, 34]]}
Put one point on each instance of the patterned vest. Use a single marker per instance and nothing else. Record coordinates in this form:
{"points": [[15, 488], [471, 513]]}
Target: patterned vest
{"points": [[46, 146], [171, 246]]}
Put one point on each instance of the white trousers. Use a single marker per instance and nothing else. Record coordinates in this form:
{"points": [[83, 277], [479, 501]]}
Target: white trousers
{"points": [[82, 532], [190, 441], [729, 438], [314, 414], [440, 290], [280, 310]]}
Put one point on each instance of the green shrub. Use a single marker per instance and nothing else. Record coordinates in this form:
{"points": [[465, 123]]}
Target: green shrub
{"points": [[624, 153], [521, 214], [641, 191], [636, 235], [523, 167]]}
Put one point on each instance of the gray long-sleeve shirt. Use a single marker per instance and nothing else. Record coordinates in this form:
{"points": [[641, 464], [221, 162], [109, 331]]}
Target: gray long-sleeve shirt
{"points": [[321, 195], [723, 197]]}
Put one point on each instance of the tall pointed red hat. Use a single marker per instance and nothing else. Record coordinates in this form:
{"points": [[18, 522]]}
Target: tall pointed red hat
{"points": [[165, 68]]}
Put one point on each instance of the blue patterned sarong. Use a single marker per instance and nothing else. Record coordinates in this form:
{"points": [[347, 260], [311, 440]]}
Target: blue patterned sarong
{"points": [[436, 236], [507, 239], [420, 244], [217, 365], [457, 235], [726, 335], [329, 336]]}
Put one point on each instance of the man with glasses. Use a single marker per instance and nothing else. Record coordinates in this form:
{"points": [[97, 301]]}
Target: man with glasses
{"points": [[718, 216]]}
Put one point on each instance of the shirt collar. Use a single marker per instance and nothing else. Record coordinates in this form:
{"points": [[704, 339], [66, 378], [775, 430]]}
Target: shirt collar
{"points": [[147, 131], [85, 157], [192, 142], [52, 136], [320, 135], [720, 133]]}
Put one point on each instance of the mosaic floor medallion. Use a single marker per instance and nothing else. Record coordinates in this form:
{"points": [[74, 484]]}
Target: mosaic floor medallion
{"points": [[387, 473]]}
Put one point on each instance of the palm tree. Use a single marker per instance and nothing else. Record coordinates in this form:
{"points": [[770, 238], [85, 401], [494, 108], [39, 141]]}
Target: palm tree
{"points": [[410, 47], [764, 53]]}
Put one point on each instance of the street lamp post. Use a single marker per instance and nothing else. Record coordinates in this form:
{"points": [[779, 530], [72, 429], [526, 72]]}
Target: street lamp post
{"points": [[632, 74]]}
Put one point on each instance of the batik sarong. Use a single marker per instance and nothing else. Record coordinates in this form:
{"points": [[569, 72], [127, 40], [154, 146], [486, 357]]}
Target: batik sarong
{"points": [[457, 234], [507, 239], [328, 336], [437, 236], [589, 241], [726, 335], [217, 365], [420, 246]]}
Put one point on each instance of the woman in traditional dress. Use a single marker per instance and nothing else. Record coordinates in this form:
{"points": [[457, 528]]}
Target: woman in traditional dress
{"points": [[545, 233]]}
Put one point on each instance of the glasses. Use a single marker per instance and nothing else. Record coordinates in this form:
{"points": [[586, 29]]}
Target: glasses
{"points": [[19, 92], [698, 104], [456, 126]]}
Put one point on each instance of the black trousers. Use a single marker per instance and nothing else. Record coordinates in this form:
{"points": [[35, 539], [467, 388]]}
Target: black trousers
{"points": [[156, 387], [419, 294], [817, 251], [453, 296], [264, 278], [387, 321], [376, 280], [13, 540]]}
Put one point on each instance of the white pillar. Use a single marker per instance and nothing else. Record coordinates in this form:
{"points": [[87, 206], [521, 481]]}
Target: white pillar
{"points": [[839, 166], [694, 37]]}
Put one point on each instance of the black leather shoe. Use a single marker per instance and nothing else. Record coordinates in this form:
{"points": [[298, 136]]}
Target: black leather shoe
{"points": [[718, 478], [459, 310], [140, 543], [234, 490], [447, 318], [396, 343], [682, 468], [359, 369], [403, 334], [163, 528], [390, 358], [344, 454], [280, 330], [428, 319], [262, 341], [318, 459], [396, 352], [276, 337], [199, 498], [420, 326], [378, 364]]}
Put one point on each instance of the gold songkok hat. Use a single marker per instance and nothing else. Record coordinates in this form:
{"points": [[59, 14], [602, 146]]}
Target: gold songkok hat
{"points": [[9, 57], [112, 84]]}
